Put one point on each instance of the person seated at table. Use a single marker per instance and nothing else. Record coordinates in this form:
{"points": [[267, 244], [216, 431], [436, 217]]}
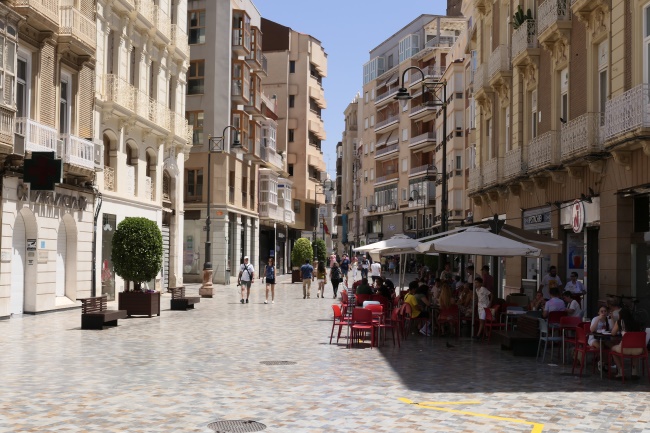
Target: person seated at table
{"points": [[465, 300], [387, 290], [422, 295], [364, 288], [411, 299], [537, 304], [572, 306], [376, 284], [614, 306], [574, 285], [602, 322], [555, 303], [445, 300], [625, 323]]}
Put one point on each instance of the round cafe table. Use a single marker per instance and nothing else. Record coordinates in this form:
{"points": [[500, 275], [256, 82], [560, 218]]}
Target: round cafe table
{"points": [[603, 337]]}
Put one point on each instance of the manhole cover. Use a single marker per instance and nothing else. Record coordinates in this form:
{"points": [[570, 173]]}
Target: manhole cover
{"points": [[277, 362], [236, 426]]}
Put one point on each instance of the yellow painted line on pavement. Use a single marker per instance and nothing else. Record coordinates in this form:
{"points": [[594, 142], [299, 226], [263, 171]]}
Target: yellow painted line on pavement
{"points": [[537, 428]]}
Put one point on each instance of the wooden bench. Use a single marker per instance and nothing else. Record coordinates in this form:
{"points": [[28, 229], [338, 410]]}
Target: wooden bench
{"points": [[181, 302], [94, 314], [522, 341]]}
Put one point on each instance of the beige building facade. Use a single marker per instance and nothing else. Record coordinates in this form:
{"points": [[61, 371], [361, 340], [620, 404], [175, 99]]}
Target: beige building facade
{"points": [[561, 133], [142, 59], [297, 65], [46, 105], [400, 142]]}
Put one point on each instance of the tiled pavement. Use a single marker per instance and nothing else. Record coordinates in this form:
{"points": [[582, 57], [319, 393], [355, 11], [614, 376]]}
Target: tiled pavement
{"points": [[182, 370]]}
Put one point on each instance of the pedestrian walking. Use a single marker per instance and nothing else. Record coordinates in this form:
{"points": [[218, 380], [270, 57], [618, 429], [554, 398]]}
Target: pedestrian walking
{"points": [[245, 278], [321, 276], [365, 264], [307, 272], [345, 267], [336, 276], [269, 274]]}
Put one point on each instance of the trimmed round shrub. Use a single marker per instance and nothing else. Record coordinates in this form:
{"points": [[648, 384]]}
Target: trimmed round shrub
{"points": [[137, 250], [301, 252]]}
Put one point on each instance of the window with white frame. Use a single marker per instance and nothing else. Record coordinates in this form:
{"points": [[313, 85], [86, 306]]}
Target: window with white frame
{"points": [[459, 162], [405, 134], [603, 79], [8, 46], [372, 94], [372, 146], [365, 175], [65, 107], [404, 197], [365, 150], [405, 165], [372, 120], [372, 174], [366, 97], [488, 138], [564, 95], [365, 123], [22, 86]]}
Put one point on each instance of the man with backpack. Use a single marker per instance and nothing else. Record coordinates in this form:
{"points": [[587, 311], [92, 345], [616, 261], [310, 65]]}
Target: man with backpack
{"points": [[245, 278]]}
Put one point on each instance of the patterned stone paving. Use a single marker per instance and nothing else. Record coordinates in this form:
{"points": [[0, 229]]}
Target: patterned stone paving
{"points": [[182, 370]]}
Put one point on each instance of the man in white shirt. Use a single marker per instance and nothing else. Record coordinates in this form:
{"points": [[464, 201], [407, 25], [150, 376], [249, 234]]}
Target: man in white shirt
{"points": [[375, 270], [245, 278], [551, 280], [574, 285]]}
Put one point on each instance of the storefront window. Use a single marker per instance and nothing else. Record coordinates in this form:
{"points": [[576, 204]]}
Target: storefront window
{"points": [[575, 253], [107, 272]]}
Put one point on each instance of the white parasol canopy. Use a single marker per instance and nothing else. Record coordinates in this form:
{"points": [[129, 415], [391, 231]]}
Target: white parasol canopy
{"points": [[398, 244], [479, 241]]}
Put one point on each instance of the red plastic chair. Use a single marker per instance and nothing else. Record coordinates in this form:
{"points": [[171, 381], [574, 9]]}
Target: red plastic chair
{"points": [[631, 340], [568, 324], [449, 315], [553, 320], [361, 298], [491, 322], [377, 310], [583, 348], [339, 321], [361, 324], [344, 300], [393, 323]]}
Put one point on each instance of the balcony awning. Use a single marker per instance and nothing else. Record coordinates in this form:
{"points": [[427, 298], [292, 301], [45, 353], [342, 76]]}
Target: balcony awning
{"points": [[388, 81], [383, 139], [393, 79]]}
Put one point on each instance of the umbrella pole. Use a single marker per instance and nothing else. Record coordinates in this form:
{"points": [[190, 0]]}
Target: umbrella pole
{"points": [[473, 297]]}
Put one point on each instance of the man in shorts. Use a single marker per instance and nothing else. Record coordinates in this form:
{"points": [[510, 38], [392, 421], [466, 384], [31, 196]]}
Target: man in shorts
{"points": [[245, 278], [345, 266]]}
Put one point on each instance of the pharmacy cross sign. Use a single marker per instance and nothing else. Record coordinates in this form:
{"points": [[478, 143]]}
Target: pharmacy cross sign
{"points": [[42, 171]]}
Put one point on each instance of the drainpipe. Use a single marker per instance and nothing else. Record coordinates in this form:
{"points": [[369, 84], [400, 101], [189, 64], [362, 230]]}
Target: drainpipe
{"points": [[98, 200]]}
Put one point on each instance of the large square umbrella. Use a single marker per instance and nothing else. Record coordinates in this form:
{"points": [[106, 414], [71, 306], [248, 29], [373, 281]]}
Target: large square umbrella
{"points": [[478, 241]]}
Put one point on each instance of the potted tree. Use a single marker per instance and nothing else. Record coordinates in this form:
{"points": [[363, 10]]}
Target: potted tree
{"points": [[300, 253], [137, 257], [321, 253]]}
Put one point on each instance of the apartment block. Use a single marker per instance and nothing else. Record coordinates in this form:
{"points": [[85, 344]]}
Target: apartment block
{"points": [[349, 180], [561, 133], [400, 142], [297, 64], [46, 105], [225, 103]]}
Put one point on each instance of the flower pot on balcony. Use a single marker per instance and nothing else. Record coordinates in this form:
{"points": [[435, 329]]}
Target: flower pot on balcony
{"points": [[140, 303]]}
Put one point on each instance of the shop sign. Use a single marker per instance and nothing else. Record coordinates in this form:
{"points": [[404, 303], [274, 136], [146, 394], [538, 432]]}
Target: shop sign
{"points": [[577, 216], [53, 198], [537, 219], [391, 227]]}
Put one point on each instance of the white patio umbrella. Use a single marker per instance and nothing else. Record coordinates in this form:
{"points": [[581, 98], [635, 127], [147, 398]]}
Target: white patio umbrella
{"points": [[398, 244], [478, 241]]}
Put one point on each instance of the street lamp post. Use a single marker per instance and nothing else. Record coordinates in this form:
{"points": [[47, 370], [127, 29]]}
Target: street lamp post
{"points": [[438, 91], [216, 145]]}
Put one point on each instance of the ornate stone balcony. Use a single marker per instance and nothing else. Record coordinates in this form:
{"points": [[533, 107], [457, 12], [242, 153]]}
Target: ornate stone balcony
{"points": [[77, 30], [543, 151], [42, 14], [627, 114], [481, 84], [499, 64], [77, 151], [524, 42], [490, 172], [179, 41], [582, 136], [554, 21], [7, 128], [475, 180], [513, 164]]}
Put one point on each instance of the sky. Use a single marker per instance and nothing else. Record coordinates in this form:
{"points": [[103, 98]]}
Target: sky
{"points": [[348, 30]]}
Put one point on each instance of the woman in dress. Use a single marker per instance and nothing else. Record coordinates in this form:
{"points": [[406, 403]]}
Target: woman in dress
{"points": [[321, 276], [269, 274]]}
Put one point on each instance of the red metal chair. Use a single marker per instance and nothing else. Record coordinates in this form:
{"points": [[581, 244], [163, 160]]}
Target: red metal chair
{"points": [[631, 340], [583, 348], [491, 322], [361, 324], [569, 324], [451, 316], [339, 321]]}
